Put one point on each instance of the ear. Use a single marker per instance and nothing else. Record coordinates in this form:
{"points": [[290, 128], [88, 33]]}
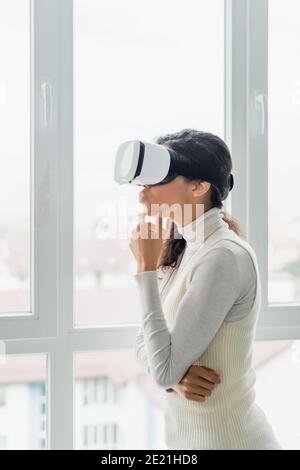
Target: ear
{"points": [[200, 188]]}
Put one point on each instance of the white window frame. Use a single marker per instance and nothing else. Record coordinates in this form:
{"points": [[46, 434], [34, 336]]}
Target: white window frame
{"points": [[52, 331], [42, 320], [247, 77]]}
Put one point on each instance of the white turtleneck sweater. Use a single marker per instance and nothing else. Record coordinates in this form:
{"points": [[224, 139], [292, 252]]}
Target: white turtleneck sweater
{"points": [[222, 289], [208, 316]]}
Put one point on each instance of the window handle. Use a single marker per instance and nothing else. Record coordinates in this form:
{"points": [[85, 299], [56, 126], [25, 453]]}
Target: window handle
{"points": [[47, 101], [261, 103]]}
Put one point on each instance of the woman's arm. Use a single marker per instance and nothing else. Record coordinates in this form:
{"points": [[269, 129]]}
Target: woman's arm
{"points": [[139, 351], [214, 288], [197, 384]]}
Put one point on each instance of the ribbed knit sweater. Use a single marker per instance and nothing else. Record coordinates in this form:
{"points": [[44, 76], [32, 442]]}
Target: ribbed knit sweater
{"points": [[222, 338]]}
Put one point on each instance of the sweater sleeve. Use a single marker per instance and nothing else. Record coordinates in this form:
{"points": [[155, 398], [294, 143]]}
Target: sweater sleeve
{"points": [[213, 290], [140, 353]]}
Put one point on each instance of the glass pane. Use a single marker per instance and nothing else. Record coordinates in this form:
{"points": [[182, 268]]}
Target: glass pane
{"points": [[23, 402], [117, 405], [277, 366], [284, 162], [15, 156], [141, 69]]}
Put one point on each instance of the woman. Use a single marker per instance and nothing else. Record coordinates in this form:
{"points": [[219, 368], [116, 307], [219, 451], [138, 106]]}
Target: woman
{"points": [[200, 318]]}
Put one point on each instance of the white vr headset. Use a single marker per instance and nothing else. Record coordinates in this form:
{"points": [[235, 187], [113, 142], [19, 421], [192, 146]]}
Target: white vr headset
{"points": [[144, 163]]}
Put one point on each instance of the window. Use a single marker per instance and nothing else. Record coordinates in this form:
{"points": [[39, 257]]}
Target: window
{"points": [[260, 89], [15, 259], [134, 420], [103, 436], [3, 443], [99, 390], [278, 362], [23, 391], [122, 95], [2, 395], [28, 181], [284, 114], [103, 72]]}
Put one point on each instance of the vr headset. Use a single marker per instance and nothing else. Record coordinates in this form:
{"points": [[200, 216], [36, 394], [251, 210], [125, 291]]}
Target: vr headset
{"points": [[144, 163]]}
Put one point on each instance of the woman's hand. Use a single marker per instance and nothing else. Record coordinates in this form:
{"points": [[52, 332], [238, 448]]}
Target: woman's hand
{"points": [[198, 383], [147, 243]]}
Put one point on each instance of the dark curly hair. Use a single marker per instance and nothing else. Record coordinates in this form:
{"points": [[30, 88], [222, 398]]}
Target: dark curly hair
{"points": [[195, 146]]}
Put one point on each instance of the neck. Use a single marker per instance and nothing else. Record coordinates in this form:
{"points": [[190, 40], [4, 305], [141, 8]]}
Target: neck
{"points": [[197, 211], [201, 227]]}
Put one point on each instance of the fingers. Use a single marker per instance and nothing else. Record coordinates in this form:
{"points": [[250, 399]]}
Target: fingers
{"points": [[148, 229], [199, 390], [154, 230], [194, 397], [199, 382], [143, 228], [141, 217], [158, 224], [202, 383], [196, 382], [207, 374], [212, 373]]}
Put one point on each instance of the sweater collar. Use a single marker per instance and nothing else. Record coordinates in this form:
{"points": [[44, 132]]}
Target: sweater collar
{"points": [[196, 232]]}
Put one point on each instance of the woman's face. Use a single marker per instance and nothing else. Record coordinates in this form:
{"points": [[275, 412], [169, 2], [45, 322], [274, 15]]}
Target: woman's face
{"points": [[177, 193]]}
